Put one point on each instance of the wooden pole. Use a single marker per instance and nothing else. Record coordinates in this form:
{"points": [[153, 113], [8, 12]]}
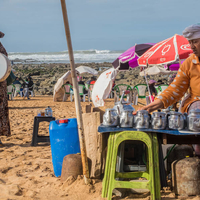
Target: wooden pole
{"points": [[76, 95]]}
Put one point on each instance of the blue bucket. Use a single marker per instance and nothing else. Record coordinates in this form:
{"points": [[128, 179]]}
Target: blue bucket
{"points": [[64, 140]]}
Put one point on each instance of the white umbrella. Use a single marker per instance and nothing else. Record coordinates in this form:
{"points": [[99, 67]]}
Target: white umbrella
{"points": [[84, 69], [103, 87], [155, 70]]}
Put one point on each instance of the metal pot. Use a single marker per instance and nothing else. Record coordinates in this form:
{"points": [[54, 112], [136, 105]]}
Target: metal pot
{"points": [[5, 67], [122, 105], [159, 120], [193, 120], [166, 111], [126, 118], [111, 117], [142, 119], [176, 120]]}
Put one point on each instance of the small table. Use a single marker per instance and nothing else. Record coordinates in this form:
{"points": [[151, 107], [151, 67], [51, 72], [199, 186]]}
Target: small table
{"points": [[164, 137], [36, 138]]}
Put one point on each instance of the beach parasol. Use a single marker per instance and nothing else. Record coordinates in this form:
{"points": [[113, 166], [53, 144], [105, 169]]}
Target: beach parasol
{"points": [[170, 50], [173, 66], [155, 70], [129, 57], [84, 69], [76, 95], [103, 86]]}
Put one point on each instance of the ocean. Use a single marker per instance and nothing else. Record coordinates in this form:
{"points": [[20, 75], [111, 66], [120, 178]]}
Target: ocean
{"points": [[80, 56]]}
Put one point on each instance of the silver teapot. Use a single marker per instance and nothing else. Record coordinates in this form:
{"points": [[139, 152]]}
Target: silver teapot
{"points": [[176, 120], [110, 117], [158, 120], [126, 118], [193, 120], [142, 119], [122, 105], [166, 110]]}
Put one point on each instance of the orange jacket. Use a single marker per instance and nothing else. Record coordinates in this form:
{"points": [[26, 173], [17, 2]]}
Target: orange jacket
{"points": [[188, 76]]}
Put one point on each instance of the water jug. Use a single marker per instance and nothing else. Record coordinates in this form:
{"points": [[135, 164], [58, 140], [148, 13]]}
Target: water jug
{"points": [[48, 112], [64, 140]]}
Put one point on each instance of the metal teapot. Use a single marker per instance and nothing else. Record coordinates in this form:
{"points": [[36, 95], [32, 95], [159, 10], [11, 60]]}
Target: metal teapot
{"points": [[126, 118], [176, 120], [122, 105], [193, 120], [142, 119], [110, 117], [158, 120], [166, 110]]}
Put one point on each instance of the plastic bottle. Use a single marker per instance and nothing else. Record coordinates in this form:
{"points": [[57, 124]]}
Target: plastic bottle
{"points": [[48, 112]]}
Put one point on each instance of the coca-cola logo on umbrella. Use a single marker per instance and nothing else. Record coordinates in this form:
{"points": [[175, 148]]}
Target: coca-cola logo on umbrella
{"points": [[185, 47], [165, 49]]}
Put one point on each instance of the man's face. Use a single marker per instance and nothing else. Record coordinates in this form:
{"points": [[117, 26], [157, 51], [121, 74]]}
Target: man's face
{"points": [[195, 46]]}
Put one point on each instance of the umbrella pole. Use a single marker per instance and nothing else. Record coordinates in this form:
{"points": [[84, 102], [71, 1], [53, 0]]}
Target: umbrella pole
{"points": [[76, 95], [147, 85], [179, 62]]}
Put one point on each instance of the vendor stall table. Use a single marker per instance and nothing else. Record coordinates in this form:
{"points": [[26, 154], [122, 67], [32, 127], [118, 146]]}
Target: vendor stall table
{"points": [[164, 136]]}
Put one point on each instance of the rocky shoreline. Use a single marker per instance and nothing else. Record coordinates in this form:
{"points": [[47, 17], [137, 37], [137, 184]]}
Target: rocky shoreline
{"points": [[46, 75]]}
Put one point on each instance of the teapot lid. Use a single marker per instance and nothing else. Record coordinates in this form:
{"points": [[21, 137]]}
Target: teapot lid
{"points": [[175, 113], [143, 111], [159, 113], [166, 110], [194, 111]]}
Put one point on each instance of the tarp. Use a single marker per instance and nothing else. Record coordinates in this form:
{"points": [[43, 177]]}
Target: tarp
{"points": [[84, 69], [155, 70], [103, 87], [59, 91]]}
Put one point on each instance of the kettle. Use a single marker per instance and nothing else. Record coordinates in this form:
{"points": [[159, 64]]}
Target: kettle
{"points": [[122, 105], [159, 120], [126, 118], [142, 119], [176, 120], [193, 120], [166, 111], [111, 117]]}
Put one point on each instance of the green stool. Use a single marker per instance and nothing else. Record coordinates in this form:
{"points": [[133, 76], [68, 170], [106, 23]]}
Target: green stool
{"points": [[111, 177]]}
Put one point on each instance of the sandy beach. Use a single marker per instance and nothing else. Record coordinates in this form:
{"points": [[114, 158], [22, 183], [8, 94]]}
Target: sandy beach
{"points": [[26, 172]]}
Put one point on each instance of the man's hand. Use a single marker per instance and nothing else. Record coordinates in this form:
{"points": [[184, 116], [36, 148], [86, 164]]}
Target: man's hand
{"points": [[157, 104]]}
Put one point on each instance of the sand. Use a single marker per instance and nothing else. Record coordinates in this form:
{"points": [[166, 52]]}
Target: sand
{"points": [[26, 172]]}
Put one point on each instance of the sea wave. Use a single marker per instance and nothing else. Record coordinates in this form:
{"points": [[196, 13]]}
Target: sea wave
{"points": [[91, 55]]}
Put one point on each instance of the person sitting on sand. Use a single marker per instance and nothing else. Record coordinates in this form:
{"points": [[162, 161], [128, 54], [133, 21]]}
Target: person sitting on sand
{"points": [[188, 76], [17, 81], [152, 89]]}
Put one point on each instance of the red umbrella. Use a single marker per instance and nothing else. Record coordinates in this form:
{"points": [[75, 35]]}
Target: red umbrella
{"points": [[167, 51]]}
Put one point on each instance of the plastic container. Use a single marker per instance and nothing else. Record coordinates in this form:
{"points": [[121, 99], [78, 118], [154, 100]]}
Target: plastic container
{"points": [[64, 140], [48, 112]]}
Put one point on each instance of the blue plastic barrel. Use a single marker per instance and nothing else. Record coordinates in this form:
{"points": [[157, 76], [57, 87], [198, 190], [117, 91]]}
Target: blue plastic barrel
{"points": [[64, 140]]}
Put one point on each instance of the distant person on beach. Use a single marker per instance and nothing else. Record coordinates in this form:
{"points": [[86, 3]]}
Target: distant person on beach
{"points": [[188, 76], [81, 82], [30, 84], [4, 114], [159, 82], [152, 89], [17, 81], [93, 80]]}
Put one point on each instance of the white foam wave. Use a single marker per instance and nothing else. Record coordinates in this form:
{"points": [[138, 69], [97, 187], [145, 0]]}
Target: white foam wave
{"points": [[79, 56]]}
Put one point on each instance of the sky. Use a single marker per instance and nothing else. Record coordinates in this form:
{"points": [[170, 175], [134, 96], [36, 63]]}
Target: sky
{"points": [[37, 25]]}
